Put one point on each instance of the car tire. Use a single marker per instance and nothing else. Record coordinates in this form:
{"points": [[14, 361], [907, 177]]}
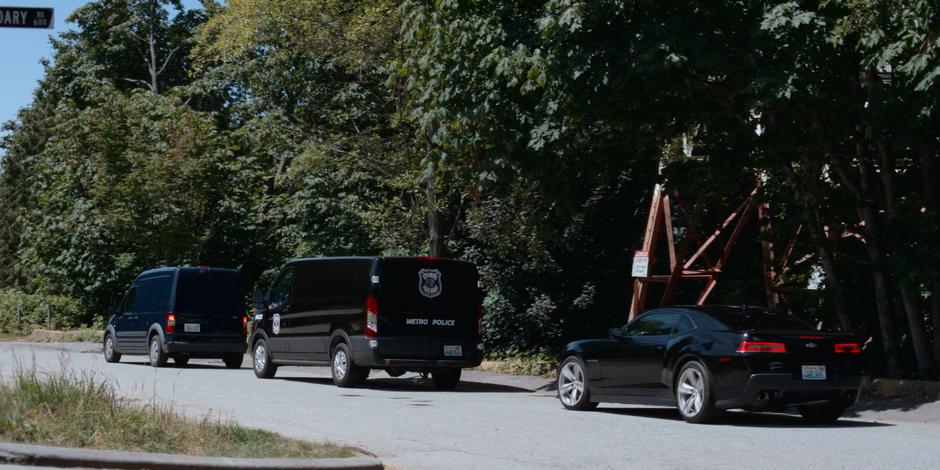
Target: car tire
{"points": [[233, 361], [345, 372], [261, 359], [110, 352], [180, 360], [158, 358], [446, 379], [573, 389], [694, 392], [821, 414]]}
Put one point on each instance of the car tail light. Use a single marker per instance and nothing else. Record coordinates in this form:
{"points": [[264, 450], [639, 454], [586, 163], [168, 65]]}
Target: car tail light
{"points": [[244, 324], [848, 348], [761, 347], [372, 316], [170, 323]]}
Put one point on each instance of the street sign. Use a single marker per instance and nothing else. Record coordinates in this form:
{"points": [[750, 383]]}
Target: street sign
{"points": [[641, 264], [26, 17]]}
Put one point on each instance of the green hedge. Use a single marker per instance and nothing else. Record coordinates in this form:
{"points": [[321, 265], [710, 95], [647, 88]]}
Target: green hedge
{"points": [[66, 312]]}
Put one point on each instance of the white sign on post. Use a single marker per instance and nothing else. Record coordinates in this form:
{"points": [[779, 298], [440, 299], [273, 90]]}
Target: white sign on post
{"points": [[641, 264]]}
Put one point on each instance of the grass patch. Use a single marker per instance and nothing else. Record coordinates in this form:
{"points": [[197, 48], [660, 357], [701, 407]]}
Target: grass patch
{"points": [[541, 363], [66, 410], [77, 335]]}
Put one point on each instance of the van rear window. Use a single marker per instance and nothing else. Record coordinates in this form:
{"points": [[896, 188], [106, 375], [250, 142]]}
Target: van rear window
{"points": [[209, 292]]}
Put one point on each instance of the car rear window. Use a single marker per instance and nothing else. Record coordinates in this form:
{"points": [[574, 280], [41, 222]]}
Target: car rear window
{"points": [[741, 318], [209, 292]]}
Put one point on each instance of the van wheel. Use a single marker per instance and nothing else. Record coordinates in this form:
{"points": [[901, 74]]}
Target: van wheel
{"points": [[345, 373], [233, 361], [110, 354], [263, 365], [446, 379], [180, 360], [157, 356]]}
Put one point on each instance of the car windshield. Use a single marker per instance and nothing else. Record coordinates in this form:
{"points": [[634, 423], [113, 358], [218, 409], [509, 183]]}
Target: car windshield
{"points": [[750, 318]]}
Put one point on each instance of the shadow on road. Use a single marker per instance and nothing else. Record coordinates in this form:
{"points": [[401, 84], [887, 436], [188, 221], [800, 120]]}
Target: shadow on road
{"points": [[416, 385], [742, 418], [906, 403], [170, 365]]}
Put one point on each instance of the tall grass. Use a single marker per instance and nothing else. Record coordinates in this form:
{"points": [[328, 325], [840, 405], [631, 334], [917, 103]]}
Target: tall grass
{"points": [[79, 411]]}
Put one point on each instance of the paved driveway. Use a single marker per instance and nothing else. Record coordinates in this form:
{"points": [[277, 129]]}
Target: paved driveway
{"points": [[490, 421]]}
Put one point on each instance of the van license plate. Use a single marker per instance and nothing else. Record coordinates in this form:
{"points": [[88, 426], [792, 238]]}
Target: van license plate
{"points": [[453, 350], [191, 327], [814, 372]]}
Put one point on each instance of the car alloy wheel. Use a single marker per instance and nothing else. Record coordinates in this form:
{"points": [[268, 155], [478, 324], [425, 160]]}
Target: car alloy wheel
{"points": [[691, 392], [340, 364], [109, 348], [571, 383]]}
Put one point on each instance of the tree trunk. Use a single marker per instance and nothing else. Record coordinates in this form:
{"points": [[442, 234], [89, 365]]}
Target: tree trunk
{"points": [[930, 170], [935, 311], [876, 256], [833, 280], [436, 239]]}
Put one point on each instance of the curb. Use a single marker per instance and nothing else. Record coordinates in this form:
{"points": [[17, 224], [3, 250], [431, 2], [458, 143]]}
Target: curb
{"points": [[27, 454]]}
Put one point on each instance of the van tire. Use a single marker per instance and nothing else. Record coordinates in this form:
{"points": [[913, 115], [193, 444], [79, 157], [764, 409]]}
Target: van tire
{"points": [[446, 379], [158, 358], [180, 360], [110, 351], [263, 366], [233, 361], [345, 373]]}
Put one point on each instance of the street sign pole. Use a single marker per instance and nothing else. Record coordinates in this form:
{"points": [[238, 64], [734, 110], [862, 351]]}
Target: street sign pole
{"points": [[26, 17]]}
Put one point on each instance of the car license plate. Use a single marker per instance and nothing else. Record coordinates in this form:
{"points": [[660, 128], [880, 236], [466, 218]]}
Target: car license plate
{"points": [[191, 327], [453, 350], [814, 372]]}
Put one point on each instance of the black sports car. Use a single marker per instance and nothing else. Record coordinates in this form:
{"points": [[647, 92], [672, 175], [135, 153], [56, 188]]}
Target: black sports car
{"points": [[704, 359]]}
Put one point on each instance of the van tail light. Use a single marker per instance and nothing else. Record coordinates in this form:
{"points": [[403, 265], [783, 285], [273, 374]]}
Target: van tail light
{"points": [[479, 321], [244, 324], [170, 323], [372, 316], [848, 348], [761, 347]]}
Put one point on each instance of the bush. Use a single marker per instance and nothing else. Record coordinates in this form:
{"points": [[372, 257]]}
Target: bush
{"points": [[33, 309]]}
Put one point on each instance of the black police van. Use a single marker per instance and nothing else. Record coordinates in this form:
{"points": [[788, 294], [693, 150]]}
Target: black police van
{"points": [[356, 314], [179, 313]]}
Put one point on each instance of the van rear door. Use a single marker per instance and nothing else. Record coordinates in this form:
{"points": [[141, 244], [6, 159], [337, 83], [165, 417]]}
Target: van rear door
{"points": [[428, 297], [208, 303]]}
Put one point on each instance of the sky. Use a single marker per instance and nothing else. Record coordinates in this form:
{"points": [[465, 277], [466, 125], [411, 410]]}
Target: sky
{"points": [[21, 50]]}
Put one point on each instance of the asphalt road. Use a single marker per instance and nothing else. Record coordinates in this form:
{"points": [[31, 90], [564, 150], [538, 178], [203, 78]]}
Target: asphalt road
{"points": [[490, 421]]}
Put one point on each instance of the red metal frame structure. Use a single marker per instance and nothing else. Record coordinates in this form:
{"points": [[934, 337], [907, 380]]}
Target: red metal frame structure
{"points": [[697, 267]]}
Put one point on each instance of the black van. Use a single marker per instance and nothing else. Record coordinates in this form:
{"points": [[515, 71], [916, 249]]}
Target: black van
{"points": [[361, 313], [180, 313]]}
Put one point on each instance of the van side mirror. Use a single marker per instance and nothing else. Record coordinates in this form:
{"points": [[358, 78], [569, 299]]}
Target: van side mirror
{"points": [[616, 332], [257, 299], [112, 311]]}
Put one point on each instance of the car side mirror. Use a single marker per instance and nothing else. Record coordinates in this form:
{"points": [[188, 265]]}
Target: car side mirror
{"points": [[617, 332], [112, 311], [257, 299]]}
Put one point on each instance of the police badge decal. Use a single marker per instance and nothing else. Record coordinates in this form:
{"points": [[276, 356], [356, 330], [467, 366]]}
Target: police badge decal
{"points": [[429, 283]]}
